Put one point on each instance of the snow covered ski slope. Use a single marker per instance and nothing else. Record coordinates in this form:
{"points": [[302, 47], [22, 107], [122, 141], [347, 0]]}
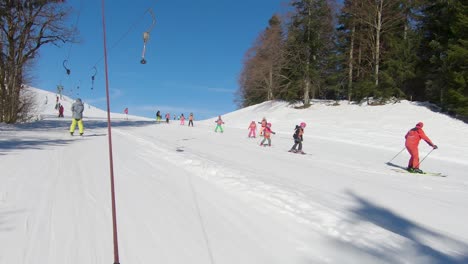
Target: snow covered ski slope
{"points": [[190, 195]]}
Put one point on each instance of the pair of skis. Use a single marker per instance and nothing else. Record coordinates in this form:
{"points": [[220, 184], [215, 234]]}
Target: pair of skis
{"points": [[437, 174], [401, 169]]}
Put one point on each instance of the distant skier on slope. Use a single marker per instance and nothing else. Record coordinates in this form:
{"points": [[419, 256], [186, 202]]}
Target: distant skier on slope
{"points": [[182, 120], [158, 116], [61, 109], [298, 138], [252, 129], [190, 122], [413, 137], [77, 116], [168, 117], [219, 124], [267, 134]]}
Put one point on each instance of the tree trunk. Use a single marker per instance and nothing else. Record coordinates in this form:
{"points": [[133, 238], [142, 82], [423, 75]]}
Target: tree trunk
{"points": [[270, 83], [350, 64], [307, 70], [378, 29]]}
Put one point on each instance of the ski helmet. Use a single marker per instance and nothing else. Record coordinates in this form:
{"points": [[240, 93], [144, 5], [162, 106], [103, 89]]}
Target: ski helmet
{"points": [[420, 124], [303, 125]]}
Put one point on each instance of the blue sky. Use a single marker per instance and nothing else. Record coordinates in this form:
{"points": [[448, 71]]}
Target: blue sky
{"points": [[194, 55]]}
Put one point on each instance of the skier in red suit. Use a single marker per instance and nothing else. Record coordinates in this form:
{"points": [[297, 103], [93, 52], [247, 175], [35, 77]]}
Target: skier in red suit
{"points": [[413, 137]]}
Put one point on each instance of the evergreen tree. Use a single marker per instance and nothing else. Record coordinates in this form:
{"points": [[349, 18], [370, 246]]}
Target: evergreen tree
{"points": [[437, 18], [457, 58], [308, 46]]}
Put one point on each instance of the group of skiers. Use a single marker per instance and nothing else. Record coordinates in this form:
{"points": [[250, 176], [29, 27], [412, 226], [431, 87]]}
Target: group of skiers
{"points": [[265, 132], [412, 137], [181, 118]]}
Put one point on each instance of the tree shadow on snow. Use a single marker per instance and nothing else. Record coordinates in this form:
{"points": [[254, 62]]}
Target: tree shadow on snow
{"points": [[65, 124], [42, 127], [38, 143], [366, 211]]}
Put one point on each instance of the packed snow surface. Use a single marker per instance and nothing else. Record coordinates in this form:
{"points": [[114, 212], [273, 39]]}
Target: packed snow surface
{"points": [[190, 195]]}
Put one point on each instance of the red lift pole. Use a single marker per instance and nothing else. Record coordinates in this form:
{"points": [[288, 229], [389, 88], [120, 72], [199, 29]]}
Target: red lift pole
{"points": [[109, 131]]}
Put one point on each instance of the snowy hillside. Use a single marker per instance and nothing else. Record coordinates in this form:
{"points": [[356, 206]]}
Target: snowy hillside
{"points": [[190, 195], [45, 102]]}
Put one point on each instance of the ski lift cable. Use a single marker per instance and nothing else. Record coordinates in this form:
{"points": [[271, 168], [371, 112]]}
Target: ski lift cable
{"points": [[130, 29], [75, 25], [65, 62]]}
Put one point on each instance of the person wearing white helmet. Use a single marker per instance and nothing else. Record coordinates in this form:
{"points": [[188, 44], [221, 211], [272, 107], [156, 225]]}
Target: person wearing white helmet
{"points": [[298, 138]]}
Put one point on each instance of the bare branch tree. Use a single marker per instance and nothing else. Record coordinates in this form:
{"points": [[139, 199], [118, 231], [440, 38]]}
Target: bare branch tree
{"points": [[25, 26], [260, 77]]}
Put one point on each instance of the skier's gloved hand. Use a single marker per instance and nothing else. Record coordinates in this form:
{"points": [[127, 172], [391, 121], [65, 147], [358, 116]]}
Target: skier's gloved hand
{"points": [[435, 147]]}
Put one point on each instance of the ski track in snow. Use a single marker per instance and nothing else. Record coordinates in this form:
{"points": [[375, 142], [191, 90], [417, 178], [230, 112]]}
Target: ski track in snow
{"points": [[323, 219]]}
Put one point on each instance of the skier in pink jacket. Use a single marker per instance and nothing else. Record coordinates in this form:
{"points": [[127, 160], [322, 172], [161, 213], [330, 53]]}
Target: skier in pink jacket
{"points": [[252, 129], [182, 119]]}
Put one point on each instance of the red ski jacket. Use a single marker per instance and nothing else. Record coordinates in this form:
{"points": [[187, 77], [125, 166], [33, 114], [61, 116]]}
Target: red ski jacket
{"points": [[415, 135]]}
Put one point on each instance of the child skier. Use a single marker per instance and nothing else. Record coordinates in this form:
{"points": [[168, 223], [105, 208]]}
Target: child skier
{"points": [[190, 119], [182, 119], [61, 109], [298, 138], [168, 116], [126, 113], [219, 124], [266, 134], [263, 123], [252, 128]]}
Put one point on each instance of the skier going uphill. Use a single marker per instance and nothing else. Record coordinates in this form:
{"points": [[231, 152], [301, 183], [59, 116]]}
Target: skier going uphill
{"points": [[77, 116]]}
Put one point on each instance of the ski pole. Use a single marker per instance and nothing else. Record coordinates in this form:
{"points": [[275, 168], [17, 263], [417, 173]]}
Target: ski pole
{"points": [[425, 157], [396, 155]]}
